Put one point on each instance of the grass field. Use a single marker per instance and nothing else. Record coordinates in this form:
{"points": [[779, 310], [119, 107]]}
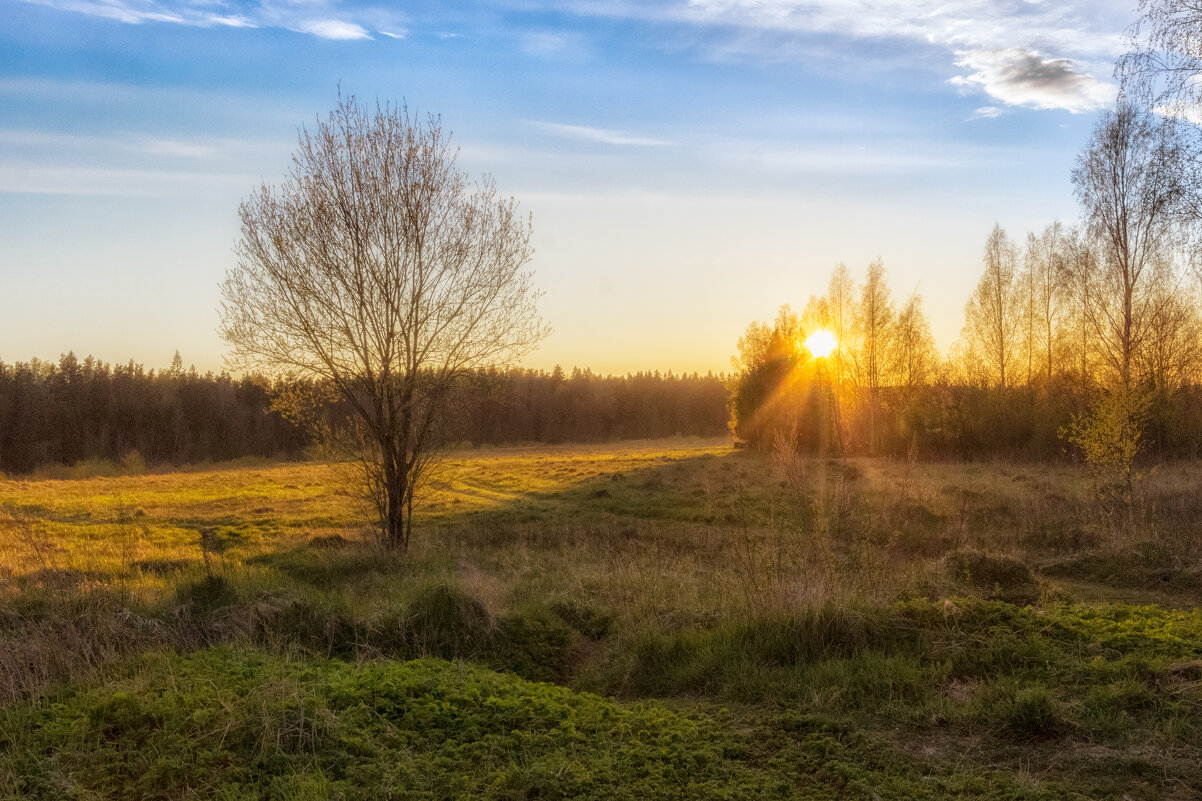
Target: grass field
{"points": [[721, 624]]}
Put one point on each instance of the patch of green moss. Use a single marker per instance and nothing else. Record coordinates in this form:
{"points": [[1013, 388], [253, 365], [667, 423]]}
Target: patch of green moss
{"points": [[236, 724]]}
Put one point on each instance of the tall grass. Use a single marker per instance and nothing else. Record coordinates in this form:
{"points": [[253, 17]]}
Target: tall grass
{"points": [[941, 598]]}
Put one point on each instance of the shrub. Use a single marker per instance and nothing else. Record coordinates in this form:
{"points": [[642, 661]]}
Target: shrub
{"points": [[583, 618], [999, 578], [535, 645], [447, 622], [207, 595], [1031, 712]]}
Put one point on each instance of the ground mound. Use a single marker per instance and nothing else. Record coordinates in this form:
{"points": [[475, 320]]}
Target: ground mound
{"points": [[228, 723]]}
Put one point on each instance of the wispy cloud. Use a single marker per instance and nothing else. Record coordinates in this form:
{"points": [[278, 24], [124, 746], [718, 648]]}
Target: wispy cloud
{"points": [[333, 29], [128, 11], [134, 144], [172, 147], [987, 113], [44, 179], [605, 136], [1076, 39], [1078, 25], [322, 18], [1190, 114], [550, 44], [236, 21], [126, 164], [826, 158]]}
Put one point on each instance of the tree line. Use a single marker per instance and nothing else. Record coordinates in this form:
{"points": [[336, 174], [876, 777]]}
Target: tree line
{"points": [[1072, 333], [1039, 351], [76, 410]]}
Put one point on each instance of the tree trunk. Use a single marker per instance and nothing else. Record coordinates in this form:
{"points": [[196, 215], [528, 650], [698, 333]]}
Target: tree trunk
{"points": [[398, 504]]}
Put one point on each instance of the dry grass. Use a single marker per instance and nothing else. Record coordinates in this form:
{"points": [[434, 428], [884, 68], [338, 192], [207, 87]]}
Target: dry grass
{"points": [[667, 531], [684, 567]]}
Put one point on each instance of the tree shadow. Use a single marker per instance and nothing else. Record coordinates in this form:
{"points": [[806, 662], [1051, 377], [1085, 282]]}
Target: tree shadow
{"points": [[622, 507]]}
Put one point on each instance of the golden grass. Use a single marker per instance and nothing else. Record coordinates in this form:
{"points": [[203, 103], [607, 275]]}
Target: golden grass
{"points": [[664, 529], [670, 540]]}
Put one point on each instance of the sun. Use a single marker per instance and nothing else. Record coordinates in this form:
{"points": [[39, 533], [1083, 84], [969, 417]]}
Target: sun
{"points": [[821, 343]]}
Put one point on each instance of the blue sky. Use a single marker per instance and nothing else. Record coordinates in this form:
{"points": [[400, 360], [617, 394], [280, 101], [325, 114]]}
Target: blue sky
{"points": [[690, 165]]}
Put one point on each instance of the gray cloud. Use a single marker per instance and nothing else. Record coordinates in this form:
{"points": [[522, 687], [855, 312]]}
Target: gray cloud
{"points": [[1019, 77]]}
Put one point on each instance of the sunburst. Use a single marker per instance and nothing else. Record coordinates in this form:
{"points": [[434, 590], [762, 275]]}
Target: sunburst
{"points": [[821, 343]]}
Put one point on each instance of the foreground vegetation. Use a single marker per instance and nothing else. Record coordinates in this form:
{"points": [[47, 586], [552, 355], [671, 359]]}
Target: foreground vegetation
{"points": [[721, 624]]}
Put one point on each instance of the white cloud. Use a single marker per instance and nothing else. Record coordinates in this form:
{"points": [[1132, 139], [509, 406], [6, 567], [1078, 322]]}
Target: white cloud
{"points": [[392, 34], [305, 16], [132, 11], [1019, 77], [43, 146], [602, 135], [1188, 113], [43, 179], [951, 23], [1081, 38], [236, 21], [334, 29], [824, 158], [986, 113]]}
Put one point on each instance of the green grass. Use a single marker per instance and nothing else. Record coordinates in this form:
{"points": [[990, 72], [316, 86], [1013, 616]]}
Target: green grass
{"points": [[234, 724], [936, 630]]}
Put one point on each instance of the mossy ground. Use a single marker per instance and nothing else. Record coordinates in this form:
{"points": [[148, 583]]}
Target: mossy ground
{"points": [[837, 629], [236, 724]]}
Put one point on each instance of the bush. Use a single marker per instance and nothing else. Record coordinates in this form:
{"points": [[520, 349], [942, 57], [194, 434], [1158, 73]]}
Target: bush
{"points": [[999, 578], [207, 595], [583, 618], [535, 645], [1031, 712], [445, 621]]}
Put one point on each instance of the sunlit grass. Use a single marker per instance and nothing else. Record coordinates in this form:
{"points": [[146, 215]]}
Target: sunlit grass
{"points": [[885, 594]]}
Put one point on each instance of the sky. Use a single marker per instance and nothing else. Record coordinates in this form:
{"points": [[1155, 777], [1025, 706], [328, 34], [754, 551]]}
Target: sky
{"points": [[690, 165]]}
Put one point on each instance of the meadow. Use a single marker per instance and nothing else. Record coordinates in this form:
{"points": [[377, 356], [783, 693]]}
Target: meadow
{"points": [[666, 619]]}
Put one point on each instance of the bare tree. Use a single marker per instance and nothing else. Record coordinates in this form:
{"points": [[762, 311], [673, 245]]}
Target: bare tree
{"points": [[1081, 264], [1163, 66], [381, 270], [816, 315], [914, 345], [840, 303], [1162, 71], [1024, 287], [993, 314], [1047, 272], [1173, 345], [1131, 197], [873, 324]]}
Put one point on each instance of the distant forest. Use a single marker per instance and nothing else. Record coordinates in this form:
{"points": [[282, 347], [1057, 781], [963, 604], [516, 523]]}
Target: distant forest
{"points": [[81, 410]]}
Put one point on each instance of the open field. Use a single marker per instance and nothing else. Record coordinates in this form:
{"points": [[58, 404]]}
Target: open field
{"points": [[726, 625]]}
